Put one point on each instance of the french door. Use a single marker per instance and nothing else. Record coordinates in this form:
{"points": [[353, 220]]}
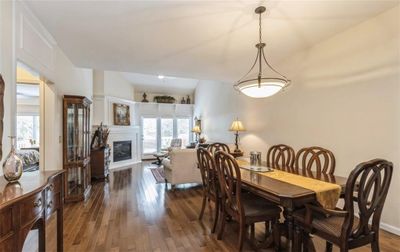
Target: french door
{"points": [[157, 133]]}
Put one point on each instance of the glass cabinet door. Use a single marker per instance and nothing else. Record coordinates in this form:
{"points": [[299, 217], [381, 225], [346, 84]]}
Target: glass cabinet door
{"points": [[80, 129], [70, 138]]}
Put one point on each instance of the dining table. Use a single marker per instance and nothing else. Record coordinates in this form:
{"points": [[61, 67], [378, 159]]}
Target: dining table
{"points": [[285, 194]]}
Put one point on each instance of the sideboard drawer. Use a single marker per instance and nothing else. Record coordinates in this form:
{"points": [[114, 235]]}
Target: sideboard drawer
{"points": [[55, 185], [52, 203], [6, 224], [31, 208]]}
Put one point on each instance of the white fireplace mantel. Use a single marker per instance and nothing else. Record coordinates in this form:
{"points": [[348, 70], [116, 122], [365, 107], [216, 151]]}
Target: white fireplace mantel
{"points": [[125, 133]]}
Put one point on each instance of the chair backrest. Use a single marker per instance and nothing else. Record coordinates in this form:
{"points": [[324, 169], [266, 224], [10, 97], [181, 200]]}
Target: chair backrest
{"points": [[280, 156], [315, 159], [214, 147], [208, 171], [230, 181], [370, 182], [176, 143]]}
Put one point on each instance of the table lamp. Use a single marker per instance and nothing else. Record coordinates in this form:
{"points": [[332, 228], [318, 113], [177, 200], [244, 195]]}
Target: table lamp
{"points": [[237, 126], [197, 131]]}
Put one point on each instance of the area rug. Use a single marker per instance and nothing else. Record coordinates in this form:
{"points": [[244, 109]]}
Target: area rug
{"points": [[158, 174]]}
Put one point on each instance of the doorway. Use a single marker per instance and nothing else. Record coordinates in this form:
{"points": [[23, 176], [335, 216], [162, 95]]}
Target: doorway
{"points": [[28, 117]]}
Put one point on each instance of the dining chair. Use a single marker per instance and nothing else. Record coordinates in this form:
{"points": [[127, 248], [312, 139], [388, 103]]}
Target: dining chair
{"points": [[210, 183], [245, 208], [315, 159], [370, 182], [214, 147], [280, 156]]}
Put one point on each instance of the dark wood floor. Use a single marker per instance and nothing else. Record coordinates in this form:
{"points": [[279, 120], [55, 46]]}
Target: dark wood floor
{"points": [[133, 213]]}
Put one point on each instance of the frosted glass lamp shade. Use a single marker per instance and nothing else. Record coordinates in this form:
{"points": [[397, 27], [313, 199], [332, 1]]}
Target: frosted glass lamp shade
{"points": [[267, 87]]}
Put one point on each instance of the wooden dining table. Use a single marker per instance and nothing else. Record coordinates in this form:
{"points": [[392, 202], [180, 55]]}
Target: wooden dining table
{"points": [[289, 196]]}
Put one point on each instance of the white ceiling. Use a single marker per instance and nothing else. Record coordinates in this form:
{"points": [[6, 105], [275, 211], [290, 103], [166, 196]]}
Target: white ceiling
{"points": [[167, 85], [194, 39]]}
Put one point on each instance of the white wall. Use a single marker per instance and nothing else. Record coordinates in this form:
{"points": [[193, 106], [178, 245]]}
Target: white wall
{"points": [[7, 70], [109, 86], [24, 38], [115, 85], [345, 97]]}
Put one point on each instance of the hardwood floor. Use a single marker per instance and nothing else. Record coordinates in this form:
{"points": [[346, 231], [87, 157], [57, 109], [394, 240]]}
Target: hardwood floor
{"points": [[133, 213]]}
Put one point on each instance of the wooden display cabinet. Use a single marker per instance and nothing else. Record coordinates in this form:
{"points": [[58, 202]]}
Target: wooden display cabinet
{"points": [[76, 147]]}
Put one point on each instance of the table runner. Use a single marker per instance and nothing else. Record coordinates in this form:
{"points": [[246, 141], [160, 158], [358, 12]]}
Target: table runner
{"points": [[327, 194]]}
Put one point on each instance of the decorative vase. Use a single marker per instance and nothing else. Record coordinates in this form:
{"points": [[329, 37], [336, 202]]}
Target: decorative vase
{"points": [[12, 166]]}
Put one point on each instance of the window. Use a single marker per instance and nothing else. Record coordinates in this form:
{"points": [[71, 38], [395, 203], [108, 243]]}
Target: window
{"points": [[27, 131], [167, 132], [157, 133], [183, 130], [149, 126]]}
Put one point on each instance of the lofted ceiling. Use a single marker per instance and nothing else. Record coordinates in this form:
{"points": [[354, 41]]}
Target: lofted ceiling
{"points": [[193, 39], [166, 85]]}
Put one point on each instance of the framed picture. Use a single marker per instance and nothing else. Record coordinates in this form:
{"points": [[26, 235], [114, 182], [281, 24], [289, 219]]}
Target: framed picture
{"points": [[121, 114]]}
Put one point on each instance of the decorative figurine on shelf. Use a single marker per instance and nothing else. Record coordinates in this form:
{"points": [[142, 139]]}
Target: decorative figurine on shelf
{"points": [[12, 166], [183, 100], [144, 98], [188, 100]]}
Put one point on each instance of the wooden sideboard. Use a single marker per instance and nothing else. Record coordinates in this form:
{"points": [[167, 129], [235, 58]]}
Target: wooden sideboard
{"points": [[28, 204]]}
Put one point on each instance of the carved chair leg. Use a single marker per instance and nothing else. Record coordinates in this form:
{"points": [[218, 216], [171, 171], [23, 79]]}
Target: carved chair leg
{"points": [[375, 246], [222, 217], [267, 229], [203, 206], [242, 234], [344, 249], [328, 246], [252, 232], [216, 216]]}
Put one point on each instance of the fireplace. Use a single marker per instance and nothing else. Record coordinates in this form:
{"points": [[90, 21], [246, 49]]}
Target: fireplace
{"points": [[122, 150]]}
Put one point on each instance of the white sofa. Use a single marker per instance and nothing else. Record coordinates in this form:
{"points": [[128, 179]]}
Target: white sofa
{"points": [[181, 167]]}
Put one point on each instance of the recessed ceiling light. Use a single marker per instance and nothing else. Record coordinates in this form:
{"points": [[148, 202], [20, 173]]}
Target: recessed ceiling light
{"points": [[161, 77]]}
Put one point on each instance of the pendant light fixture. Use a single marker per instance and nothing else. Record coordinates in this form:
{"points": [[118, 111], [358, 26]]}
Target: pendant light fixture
{"points": [[261, 86]]}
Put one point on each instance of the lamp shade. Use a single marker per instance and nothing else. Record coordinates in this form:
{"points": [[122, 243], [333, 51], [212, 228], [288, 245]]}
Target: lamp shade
{"points": [[196, 129], [267, 87], [237, 126]]}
